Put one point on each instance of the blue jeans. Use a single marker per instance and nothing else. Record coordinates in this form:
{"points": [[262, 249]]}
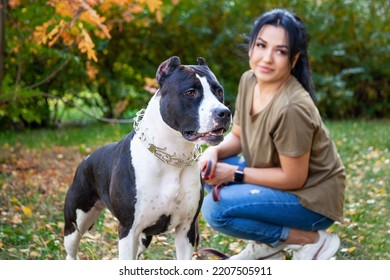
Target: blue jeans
{"points": [[259, 213]]}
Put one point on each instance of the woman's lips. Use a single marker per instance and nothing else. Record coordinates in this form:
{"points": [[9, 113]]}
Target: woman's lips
{"points": [[265, 69]]}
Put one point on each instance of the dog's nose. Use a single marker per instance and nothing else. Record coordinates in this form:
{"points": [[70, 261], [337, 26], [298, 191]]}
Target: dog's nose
{"points": [[222, 113]]}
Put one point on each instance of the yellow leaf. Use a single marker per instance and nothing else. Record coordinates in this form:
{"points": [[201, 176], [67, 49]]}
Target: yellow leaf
{"points": [[351, 249], [150, 82], [53, 32], [65, 8], [154, 5], [159, 16], [330, 230], [135, 9], [27, 211]]}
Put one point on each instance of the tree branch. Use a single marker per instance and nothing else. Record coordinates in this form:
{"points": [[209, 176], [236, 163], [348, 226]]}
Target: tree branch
{"points": [[49, 76]]}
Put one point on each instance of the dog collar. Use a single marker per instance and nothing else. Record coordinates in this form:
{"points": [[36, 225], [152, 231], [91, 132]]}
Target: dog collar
{"points": [[160, 152]]}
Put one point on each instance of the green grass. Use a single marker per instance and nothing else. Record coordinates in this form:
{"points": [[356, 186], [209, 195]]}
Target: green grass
{"points": [[36, 167], [93, 134], [364, 147]]}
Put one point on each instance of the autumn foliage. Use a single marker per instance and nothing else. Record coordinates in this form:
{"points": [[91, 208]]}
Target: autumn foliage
{"points": [[103, 55], [80, 19]]}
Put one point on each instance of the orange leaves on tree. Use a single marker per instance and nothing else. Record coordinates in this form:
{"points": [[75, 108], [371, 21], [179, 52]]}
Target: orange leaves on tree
{"points": [[80, 21], [14, 3], [91, 70], [41, 35], [151, 85], [153, 5], [87, 46], [90, 16]]}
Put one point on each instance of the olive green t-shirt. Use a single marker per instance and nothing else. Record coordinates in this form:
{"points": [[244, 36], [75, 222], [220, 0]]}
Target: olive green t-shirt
{"points": [[291, 126]]}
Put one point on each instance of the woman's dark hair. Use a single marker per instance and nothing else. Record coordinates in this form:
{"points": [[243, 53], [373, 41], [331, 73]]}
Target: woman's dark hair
{"points": [[297, 43]]}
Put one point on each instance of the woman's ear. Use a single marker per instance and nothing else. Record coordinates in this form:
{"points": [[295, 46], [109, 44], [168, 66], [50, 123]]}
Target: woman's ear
{"points": [[295, 60]]}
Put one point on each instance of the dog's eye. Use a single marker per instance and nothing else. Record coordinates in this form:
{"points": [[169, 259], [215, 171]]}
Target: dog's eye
{"points": [[190, 93], [219, 92]]}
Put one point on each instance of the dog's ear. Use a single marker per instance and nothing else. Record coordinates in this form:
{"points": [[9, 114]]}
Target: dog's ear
{"points": [[201, 61], [166, 68]]}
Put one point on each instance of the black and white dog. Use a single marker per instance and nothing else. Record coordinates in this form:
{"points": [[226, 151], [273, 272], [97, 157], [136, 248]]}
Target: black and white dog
{"points": [[150, 180]]}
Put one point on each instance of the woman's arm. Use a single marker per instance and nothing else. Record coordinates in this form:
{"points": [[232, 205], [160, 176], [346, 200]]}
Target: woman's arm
{"points": [[291, 175]]}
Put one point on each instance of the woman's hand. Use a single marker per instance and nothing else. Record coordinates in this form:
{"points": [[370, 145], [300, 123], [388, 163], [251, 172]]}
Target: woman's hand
{"points": [[223, 173], [218, 172], [207, 162]]}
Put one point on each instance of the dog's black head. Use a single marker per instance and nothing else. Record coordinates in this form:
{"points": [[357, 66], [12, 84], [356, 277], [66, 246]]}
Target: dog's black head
{"points": [[192, 101]]}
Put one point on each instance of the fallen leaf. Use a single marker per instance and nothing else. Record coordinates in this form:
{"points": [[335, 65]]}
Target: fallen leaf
{"points": [[351, 249], [27, 211]]}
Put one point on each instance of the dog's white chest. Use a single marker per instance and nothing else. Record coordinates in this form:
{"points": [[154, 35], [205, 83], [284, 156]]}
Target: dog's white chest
{"points": [[162, 189]]}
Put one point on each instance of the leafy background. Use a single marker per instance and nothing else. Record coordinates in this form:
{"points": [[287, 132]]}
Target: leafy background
{"points": [[104, 54]]}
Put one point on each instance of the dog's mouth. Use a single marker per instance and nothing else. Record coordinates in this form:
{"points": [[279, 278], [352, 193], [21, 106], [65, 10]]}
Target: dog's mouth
{"points": [[213, 137]]}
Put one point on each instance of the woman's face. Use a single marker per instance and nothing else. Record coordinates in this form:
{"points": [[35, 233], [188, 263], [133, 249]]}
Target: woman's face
{"points": [[269, 55]]}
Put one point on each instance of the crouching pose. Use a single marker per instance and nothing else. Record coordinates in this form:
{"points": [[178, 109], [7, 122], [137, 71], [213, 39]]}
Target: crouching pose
{"points": [[276, 180]]}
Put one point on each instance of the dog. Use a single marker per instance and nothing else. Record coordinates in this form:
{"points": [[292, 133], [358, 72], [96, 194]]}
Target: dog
{"points": [[150, 180]]}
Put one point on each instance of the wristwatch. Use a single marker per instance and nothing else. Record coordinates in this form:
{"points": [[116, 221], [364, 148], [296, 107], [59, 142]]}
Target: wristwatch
{"points": [[239, 174]]}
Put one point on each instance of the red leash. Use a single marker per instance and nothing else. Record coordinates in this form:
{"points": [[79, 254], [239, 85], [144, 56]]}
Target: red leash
{"points": [[206, 174]]}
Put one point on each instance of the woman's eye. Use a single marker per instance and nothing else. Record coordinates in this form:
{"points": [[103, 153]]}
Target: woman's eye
{"points": [[282, 52], [260, 45], [190, 93]]}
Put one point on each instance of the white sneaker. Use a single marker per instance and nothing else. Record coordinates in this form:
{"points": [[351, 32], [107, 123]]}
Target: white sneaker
{"points": [[257, 251], [325, 248]]}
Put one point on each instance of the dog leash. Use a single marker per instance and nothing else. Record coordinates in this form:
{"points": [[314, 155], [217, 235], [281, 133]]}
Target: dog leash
{"points": [[210, 251], [215, 191]]}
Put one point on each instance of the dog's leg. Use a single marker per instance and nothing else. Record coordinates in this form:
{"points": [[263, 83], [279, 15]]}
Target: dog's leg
{"points": [[78, 221], [71, 242], [144, 242], [128, 243], [83, 222], [184, 248]]}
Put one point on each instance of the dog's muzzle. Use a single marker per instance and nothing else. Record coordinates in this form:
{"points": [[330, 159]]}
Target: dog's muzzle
{"points": [[218, 125]]}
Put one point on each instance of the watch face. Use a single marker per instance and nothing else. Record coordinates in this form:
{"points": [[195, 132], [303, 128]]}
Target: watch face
{"points": [[239, 176]]}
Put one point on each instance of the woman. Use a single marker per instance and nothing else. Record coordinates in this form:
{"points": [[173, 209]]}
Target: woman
{"points": [[288, 187]]}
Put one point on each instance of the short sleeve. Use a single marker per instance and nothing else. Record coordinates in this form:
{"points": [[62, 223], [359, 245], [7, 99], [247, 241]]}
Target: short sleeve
{"points": [[293, 135]]}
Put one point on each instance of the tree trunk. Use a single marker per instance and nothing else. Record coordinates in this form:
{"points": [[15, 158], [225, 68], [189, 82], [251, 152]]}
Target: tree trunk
{"points": [[2, 41]]}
